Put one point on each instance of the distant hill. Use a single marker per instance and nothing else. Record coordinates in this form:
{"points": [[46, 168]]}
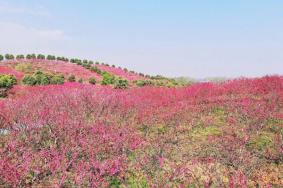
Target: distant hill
{"points": [[24, 67]]}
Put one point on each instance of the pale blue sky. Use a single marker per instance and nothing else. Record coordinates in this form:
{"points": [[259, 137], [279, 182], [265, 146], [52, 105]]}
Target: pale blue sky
{"points": [[200, 38]]}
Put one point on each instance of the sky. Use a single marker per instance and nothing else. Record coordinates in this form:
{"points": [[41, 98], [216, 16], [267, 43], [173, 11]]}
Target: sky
{"points": [[194, 38]]}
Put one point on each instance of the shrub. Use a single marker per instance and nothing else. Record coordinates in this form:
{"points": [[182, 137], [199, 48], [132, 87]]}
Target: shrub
{"points": [[92, 80], [121, 84], [80, 80], [1, 57], [95, 69], [7, 81], [107, 79], [29, 80], [40, 78], [141, 83], [57, 79], [72, 78], [87, 66]]}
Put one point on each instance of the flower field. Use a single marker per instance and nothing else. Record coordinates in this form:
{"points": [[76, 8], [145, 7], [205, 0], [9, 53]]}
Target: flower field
{"points": [[205, 135]]}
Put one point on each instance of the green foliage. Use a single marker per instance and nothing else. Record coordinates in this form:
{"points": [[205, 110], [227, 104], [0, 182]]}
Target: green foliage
{"points": [[40, 56], [95, 69], [62, 59], [86, 65], [40, 78], [51, 57], [7, 81], [31, 56], [72, 78], [20, 56], [141, 83], [107, 79], [136, 180], [1, 57], [121, 83], [57, 79], [157, 77], [9, 56], [203, 132], [262, 141], [114, 183], [92, 80], [29, 80]]}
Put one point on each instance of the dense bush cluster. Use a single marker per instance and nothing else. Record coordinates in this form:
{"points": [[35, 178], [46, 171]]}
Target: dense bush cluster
{"points": [[7, 81], [40, 78], [121, 83]]}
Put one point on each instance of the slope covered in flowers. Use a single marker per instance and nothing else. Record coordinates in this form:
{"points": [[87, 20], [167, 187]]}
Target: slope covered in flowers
{"points": [[211, 135], [55, 66], [10, 71]]}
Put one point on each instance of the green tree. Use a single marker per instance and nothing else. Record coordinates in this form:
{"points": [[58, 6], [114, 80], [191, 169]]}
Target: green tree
{"points": [[1, 57], [51, 57], [9, 56], [20, 57], [40, 56]]}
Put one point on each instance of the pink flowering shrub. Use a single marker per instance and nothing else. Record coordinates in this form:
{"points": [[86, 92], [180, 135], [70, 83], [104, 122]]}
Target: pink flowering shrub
{"points": [[11, 71], [204, 135]]}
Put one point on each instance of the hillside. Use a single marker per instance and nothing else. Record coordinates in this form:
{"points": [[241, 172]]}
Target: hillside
{"points": [[74, 133], [77, 70]]}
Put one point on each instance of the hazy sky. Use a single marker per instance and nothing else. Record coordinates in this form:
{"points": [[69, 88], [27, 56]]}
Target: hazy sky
{"points": [[195, 38]]}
